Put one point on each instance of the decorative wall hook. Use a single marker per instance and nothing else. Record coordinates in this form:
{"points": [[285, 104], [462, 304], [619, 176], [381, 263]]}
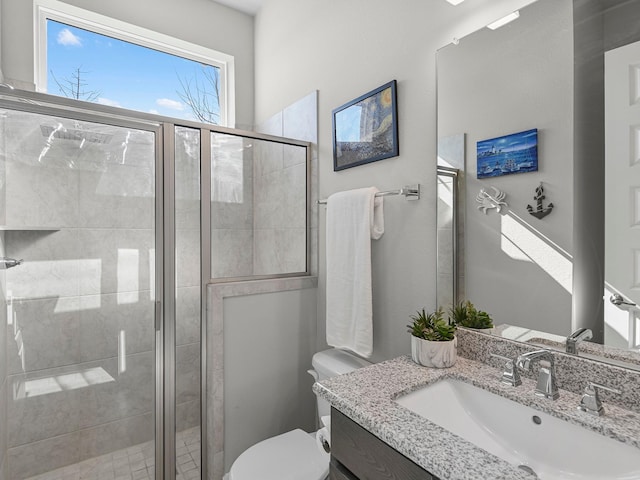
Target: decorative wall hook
{"points": [[488, 201], [540, 211]]}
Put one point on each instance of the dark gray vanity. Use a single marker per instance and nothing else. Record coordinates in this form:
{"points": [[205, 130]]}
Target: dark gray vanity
{"points": [[358, 454]]}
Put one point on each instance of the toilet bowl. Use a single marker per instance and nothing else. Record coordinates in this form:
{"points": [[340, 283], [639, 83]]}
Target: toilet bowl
{"points": [[296, 455], [291, 456]]}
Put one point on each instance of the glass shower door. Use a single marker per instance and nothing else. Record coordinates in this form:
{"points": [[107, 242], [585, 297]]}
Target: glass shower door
{"points": [[188, 307], [78, 207]]}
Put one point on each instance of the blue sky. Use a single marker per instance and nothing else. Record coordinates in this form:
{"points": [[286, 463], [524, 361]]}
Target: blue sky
{"points": [[515, 141], [124, 74]]}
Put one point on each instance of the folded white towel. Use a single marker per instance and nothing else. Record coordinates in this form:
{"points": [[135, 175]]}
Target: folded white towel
{"points": [[354, 218]]}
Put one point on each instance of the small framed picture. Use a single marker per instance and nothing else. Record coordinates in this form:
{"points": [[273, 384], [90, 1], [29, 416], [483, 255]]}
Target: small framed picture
{"points": [[513, 153], [365, 130]]}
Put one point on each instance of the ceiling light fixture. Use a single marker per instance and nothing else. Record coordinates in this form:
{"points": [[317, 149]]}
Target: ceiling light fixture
{"points": [[504, 20], [455, 2]]}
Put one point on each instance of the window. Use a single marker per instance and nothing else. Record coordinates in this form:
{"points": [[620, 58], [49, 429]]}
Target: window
{"points": [[86, 56]]}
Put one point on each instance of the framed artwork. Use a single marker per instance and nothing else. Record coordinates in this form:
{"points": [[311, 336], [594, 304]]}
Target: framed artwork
{"points": [[514, 153], [365, 130]]}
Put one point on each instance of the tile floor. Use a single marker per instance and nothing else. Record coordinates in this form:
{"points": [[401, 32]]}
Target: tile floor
{"points": [[134, 463]]}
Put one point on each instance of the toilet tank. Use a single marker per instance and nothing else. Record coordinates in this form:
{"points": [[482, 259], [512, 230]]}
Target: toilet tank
{"points": [[330, 363]]}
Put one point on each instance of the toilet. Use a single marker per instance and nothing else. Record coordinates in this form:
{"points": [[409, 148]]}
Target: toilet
{"points": [[295, 455]]}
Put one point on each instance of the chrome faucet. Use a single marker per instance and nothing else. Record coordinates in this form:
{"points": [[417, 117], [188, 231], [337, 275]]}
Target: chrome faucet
{"points": [[546, 386], [576, 337]]}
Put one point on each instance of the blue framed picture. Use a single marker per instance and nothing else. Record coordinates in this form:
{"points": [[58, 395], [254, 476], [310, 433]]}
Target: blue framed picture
{"points": [[513, 153], [366, 129]]}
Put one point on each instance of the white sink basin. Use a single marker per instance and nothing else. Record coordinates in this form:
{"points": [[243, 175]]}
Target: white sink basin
{"points": [[550, 447]]}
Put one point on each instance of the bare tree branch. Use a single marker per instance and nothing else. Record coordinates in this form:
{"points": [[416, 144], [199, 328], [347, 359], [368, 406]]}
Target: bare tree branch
{"points": [[202, 93], [74, 87]]}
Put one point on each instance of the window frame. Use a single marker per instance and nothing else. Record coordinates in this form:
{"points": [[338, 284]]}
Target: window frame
{"points": [[85, 19]]}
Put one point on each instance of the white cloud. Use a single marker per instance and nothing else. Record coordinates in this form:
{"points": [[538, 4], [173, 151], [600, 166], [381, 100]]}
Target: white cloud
{"points": [[68, 39], [154, 111], [168, 103], [108, 102]]}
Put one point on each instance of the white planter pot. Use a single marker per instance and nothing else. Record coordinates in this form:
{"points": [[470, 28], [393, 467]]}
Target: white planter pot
{"points": [[434, 354]]}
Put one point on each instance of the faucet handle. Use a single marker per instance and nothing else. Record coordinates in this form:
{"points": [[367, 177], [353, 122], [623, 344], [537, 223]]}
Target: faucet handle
{"points": [[510, 374], [590, 401]]}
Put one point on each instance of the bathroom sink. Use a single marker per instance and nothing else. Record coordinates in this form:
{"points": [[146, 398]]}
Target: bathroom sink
{"points": [[534, 441]]}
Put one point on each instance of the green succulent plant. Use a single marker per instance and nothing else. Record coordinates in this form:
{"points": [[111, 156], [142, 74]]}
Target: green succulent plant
{"points": [[431, 326], [465, 314]]}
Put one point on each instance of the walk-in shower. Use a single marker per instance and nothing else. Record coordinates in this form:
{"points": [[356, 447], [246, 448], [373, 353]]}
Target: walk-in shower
{"points": [[111, 224]]}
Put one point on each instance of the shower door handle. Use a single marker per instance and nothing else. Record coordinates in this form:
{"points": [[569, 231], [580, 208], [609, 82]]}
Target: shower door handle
{"points": [[158, 315]]}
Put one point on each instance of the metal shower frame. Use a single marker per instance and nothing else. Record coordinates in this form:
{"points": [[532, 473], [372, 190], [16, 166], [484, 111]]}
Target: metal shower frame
{"points": [[165, 282]]}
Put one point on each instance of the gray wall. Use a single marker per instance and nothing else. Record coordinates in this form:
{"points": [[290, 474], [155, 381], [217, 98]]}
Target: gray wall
{"points": [[292, 43], [269, 341], [201, 22], [522, 79]]}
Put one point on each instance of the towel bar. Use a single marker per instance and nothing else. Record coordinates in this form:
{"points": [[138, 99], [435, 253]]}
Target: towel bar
{"points": [[411, 192]]}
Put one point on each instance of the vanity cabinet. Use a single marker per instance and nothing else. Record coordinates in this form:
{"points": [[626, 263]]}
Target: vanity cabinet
{"points": [[358, 454]]}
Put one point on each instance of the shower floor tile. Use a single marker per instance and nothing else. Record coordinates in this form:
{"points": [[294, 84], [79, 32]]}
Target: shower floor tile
{"points": [[134, 463]]}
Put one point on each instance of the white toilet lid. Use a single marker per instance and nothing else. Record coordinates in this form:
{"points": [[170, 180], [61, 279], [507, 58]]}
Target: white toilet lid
{"points": [[291, 456]]}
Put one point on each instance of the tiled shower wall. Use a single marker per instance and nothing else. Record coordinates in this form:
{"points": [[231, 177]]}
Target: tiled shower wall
{"points": [[82, 219], [188, 278], [3, 363], [258, 207], [3, 321], [280, 223], [232, 209]]}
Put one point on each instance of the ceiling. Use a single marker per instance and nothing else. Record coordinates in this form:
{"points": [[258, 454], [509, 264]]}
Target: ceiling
{"points": [[247, 6]]}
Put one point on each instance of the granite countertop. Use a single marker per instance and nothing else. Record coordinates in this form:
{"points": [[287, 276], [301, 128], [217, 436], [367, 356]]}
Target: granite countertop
{"points": [[367, 397]]}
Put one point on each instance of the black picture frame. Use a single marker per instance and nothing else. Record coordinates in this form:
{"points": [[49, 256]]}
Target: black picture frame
{"points": [[365, 130]]}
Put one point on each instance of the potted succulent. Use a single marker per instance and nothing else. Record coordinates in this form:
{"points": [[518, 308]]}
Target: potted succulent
{"points": [[433, 339], [465, 314]]}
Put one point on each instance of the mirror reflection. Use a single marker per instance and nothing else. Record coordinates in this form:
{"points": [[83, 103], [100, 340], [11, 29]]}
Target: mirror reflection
{"points": [[545, 71]]}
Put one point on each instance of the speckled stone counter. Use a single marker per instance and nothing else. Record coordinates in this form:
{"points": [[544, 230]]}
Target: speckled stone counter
{"points": [[367, 396]]}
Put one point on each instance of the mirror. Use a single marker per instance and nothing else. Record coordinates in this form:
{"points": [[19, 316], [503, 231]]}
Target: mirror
{"points": [[450, 220], [537, 264]]}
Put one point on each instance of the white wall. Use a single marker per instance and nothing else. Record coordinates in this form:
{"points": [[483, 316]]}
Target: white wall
{"points": [[344, 49], [202, 22]]}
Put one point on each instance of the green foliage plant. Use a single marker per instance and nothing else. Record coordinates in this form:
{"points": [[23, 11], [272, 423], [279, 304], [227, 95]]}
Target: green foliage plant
{"points": [[431, 326], [465, 314]]}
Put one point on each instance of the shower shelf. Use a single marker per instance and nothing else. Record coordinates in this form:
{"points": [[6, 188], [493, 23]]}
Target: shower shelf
{"points": [[18, 228]]}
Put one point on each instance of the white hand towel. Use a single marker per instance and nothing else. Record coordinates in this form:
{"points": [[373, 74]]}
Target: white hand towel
{"points": [[354, 218]]}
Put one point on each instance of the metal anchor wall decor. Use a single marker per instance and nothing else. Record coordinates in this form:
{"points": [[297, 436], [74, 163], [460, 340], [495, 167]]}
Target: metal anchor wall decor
{"points": [[540, 211]]}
